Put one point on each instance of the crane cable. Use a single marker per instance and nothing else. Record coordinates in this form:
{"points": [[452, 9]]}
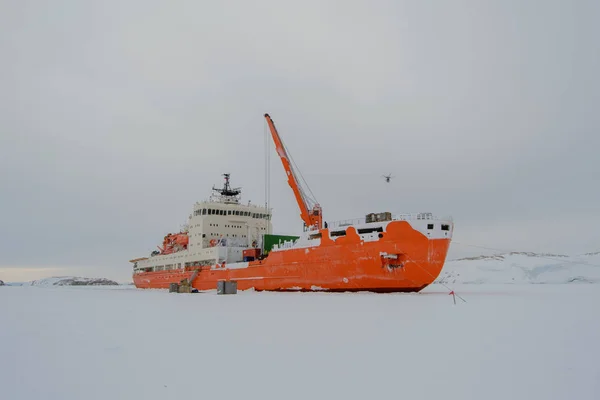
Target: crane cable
{"points": [[295, 170]]}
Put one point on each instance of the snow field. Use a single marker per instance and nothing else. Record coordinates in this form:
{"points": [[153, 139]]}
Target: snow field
{"points": [[507, 341]]}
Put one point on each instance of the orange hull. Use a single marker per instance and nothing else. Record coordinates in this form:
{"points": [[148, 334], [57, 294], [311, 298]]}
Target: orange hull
{"points": [[401, 260]]}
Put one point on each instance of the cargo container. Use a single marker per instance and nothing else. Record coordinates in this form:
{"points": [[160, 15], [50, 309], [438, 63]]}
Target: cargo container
{"points": [[251, 254], [270, 240], [378, 217]]}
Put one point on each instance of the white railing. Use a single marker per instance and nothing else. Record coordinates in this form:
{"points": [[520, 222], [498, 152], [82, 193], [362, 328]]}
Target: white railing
{"points": [[410, 217], [418, 216], [345, 223], [397, 217]]}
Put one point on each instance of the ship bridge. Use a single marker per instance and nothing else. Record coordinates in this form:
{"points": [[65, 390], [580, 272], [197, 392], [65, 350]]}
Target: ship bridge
{"points": [[224, 221], [218, 230]]}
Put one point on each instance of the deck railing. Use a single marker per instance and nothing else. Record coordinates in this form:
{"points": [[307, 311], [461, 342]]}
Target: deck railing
{"points": [[346, 222], [398, 217]]}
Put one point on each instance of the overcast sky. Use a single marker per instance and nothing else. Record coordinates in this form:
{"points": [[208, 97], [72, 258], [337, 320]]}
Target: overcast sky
{"points": [[116, 116]]}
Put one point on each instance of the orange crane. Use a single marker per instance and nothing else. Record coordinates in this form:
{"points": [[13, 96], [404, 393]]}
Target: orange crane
{"points": [[310, 211]]}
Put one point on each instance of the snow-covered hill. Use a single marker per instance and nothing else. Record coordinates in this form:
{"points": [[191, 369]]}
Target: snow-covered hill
{"points": [[72, 281], [523, 268]]}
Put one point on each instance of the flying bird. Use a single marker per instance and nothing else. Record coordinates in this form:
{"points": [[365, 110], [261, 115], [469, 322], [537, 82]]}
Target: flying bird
{"points": [[387, 177]]}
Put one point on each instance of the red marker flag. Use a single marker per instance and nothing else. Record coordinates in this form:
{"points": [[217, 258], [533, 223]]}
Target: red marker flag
{"points": [[453, 297]]}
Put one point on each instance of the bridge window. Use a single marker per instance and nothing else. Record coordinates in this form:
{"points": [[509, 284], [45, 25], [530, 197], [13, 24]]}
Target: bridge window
{"points": [[445, 227], [370, 230], [429, 226]]}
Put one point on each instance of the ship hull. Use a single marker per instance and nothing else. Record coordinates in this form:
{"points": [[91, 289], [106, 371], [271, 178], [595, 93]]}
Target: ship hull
{"points": [[401, 259]]}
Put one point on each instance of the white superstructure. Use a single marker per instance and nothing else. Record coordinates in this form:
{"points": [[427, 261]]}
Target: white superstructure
{"points": [[218, 231]]}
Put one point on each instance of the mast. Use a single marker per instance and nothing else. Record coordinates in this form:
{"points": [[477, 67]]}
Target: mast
{"points": [[228, 194], [311, 215]]}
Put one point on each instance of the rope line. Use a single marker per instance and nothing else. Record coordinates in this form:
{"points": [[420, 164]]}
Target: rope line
{"points": [[430, 274]]}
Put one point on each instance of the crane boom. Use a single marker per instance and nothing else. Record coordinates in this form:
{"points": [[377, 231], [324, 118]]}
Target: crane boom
{"points": [[312, 217]]}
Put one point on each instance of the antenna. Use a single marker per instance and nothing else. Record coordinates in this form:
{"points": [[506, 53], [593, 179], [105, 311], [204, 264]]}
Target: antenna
{"points": [[227, 193], [267, 169]]}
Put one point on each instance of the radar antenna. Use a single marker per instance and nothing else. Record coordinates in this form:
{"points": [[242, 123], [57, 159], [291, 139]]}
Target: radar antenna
{"points": [[227, 193]]}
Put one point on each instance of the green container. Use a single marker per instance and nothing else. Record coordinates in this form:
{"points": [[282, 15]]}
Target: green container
{"points": [[270, 240]]}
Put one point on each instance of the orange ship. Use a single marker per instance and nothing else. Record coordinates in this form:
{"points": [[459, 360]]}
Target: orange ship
{"points": [[225, 240]]}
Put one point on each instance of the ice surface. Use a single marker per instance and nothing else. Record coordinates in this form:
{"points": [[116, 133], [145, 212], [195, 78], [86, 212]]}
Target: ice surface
{"points": [[506, 342]]}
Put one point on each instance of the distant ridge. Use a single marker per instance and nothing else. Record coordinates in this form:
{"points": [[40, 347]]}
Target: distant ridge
{"points": [[72, 281], [592, 254], [522, 267], [512, 253]]}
